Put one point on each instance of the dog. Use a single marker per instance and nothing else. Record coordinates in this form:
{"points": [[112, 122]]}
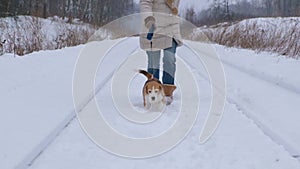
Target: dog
{"points": [[153, 93]]}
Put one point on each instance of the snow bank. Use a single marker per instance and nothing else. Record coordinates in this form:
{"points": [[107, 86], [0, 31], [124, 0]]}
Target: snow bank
{"points": [[25, 34], [280, 35]]}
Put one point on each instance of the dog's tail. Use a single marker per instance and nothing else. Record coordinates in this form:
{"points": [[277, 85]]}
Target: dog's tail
{"points": [[147, 74]]}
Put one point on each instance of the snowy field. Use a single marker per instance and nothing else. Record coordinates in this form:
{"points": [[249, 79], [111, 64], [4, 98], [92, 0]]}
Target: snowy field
{"points": [[26, 34], [259, 128], [280, 35]]}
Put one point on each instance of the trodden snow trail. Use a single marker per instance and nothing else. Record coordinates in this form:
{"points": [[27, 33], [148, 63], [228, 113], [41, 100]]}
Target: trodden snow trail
{"points": [[229, 146], [267, 101], [251, 108], [47, 141]]}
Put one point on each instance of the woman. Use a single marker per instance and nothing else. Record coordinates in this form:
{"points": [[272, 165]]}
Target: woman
{"points": [[160, 17]]}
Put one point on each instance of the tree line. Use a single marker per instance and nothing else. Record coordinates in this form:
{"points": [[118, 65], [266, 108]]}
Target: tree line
{"points": [[98, 12], [223, 11]]}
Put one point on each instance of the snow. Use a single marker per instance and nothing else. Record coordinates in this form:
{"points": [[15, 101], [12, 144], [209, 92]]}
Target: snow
{"points": [[36, 98], [278, 35], [49, 34], [272, 100], [259, 128]]}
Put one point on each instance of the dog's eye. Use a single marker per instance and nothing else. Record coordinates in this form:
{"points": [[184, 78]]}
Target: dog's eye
{"points": [[149, 91], [156, 91]]}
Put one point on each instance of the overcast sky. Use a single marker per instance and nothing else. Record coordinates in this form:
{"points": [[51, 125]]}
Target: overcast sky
{"points": [[197, 4]]}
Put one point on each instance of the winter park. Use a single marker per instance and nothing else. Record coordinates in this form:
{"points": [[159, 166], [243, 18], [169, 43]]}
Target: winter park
{"points": [[187, 84]]}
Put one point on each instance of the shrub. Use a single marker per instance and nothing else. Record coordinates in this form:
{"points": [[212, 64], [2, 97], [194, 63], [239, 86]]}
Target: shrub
{"points": [[280, 35]]}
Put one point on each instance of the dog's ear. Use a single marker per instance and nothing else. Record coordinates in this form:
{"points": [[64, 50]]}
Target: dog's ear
{"points": [[146, 89], [160, 87]]}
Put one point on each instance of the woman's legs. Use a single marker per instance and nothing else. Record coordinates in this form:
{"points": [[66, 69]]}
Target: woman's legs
{"points": [[153, 62], [169, 64]]}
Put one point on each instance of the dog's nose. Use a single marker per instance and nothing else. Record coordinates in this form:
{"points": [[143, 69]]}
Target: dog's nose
{"points": [[153, 98]]}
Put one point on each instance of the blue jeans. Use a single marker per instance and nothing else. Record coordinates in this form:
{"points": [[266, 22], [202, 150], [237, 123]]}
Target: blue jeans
{"points": [[169, 63]]}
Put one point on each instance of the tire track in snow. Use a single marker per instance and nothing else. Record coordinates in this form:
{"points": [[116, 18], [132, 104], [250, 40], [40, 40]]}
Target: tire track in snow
{"points": [[192, 63], [264, 128], [48, 140], [266, 78], [267, 130]]}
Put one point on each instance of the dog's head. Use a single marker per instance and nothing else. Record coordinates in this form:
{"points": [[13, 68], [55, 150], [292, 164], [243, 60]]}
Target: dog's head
{"points": [[153, 91]]}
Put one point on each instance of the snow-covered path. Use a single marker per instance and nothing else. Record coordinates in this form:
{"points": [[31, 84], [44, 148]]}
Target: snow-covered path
{"points": [[36, 102], [258, 129], [264, 90]]}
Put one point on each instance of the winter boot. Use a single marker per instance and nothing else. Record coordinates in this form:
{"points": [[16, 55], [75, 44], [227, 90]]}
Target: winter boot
{"points": [[169, 89]]}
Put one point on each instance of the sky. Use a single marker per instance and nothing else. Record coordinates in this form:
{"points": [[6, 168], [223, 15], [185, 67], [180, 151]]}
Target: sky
{"points": [[197, 4]]}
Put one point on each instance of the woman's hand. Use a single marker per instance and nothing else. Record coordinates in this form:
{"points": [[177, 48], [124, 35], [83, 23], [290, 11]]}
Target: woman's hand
{"points": [[149, 21]]}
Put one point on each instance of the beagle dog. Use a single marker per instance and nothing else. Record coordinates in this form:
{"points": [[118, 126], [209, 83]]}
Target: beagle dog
{"points": [[153, 93]]}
